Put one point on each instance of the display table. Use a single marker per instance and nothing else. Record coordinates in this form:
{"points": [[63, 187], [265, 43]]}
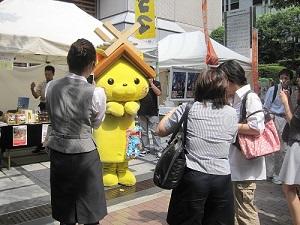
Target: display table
{"points": [[21, 136]]}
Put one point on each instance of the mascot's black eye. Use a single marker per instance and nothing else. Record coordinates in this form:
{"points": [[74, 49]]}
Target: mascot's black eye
{"points": [[136, 80], [110, 81]]}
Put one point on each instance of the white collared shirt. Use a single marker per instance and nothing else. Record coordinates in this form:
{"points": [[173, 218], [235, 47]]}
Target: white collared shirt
{"points": [[98, 100], [253, 104], [242, 168]]}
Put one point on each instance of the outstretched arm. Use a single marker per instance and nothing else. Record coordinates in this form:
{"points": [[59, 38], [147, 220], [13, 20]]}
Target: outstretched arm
{"points": [[285, 99], [156, 89], [161, 128], [33, 92]]}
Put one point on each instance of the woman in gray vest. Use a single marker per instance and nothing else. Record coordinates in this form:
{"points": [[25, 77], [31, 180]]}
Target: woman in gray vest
{"points": [[75, 107]]}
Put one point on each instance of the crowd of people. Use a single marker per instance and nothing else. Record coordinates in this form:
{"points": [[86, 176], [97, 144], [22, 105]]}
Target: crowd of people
{"points": [[219, 183]]}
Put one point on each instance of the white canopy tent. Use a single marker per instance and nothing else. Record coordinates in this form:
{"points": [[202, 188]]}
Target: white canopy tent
{"points": [[186, 52], [42, 31], [189, 50], [39, 31]]}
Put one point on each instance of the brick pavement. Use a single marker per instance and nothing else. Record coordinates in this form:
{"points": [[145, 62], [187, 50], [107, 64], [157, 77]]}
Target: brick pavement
{"points": [[150, 212], [269, 200], [28, 186], [272, 206]]}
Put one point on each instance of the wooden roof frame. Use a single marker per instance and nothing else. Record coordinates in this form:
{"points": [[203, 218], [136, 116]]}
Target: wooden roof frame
{"points": [[124, 51], [120, 37]]}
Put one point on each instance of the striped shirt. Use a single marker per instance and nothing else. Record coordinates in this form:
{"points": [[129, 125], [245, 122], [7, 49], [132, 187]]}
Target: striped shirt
{"points": [[210, 133]]}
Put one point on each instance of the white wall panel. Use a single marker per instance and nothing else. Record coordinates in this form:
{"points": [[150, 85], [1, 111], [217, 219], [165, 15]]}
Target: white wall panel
{"points": [[165, 9], [188, 11], [214, 14], [111, 7]]}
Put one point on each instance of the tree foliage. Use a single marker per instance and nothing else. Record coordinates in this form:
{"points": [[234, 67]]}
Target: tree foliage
{"points": [[280, 4], [270, 70], [218, 34], [279, 35]]}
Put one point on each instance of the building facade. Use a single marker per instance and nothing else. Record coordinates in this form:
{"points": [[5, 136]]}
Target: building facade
{"points": [[173, 16], [89, 6], [261, 6]]}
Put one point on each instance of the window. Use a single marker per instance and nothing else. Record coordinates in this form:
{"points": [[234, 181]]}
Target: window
{"points": [[257, 2], [225, 6], [234, 4], [88, 6]]}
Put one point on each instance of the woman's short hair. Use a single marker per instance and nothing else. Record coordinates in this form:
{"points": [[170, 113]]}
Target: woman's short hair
{"points": [[234, 72], [211, 86], [81, 54]]}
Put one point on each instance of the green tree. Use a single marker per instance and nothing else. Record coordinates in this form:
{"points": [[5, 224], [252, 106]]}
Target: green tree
{"points": [[279, 35], [280, 4], [218, 35]]}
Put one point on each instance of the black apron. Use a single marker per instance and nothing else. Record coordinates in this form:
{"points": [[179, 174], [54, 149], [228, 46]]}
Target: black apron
{"points": [[77, 191]]}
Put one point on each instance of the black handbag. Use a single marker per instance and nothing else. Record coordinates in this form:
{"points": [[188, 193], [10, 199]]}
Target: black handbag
{"points": [[171, 165]]}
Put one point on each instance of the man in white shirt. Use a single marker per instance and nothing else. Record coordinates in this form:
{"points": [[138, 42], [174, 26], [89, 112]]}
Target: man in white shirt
{"points": [[39, 90], [275, 106]]}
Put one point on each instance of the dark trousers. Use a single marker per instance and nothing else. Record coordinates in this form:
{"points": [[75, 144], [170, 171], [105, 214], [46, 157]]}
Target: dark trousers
{"points": [[202, 199]]}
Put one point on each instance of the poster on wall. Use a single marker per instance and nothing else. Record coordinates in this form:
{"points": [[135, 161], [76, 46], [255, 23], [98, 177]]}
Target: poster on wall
{"points": [[19, 135], [183, 82], [191, 84], [178, 85]]}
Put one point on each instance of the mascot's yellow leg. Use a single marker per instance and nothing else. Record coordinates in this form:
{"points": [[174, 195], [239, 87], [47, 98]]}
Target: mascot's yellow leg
{"points": [[125, 176], [110, 177]]}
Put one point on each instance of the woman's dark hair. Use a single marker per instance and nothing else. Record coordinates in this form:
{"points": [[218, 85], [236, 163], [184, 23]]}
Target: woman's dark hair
{"points": [[234, 72], [81, 54], [211, 86]]}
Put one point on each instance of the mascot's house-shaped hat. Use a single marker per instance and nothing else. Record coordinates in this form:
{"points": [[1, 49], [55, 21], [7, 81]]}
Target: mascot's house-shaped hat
{"points": [[126, 52]]}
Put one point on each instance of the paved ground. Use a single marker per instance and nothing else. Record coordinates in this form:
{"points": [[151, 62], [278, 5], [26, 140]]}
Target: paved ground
{"points": [[27, 188]]}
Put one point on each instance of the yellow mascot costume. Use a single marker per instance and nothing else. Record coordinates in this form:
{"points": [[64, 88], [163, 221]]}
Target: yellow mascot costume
{"points": [[124, 76]]}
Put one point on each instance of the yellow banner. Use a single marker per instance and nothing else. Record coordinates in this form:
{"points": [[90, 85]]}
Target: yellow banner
{"points": [[145, 15]]}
